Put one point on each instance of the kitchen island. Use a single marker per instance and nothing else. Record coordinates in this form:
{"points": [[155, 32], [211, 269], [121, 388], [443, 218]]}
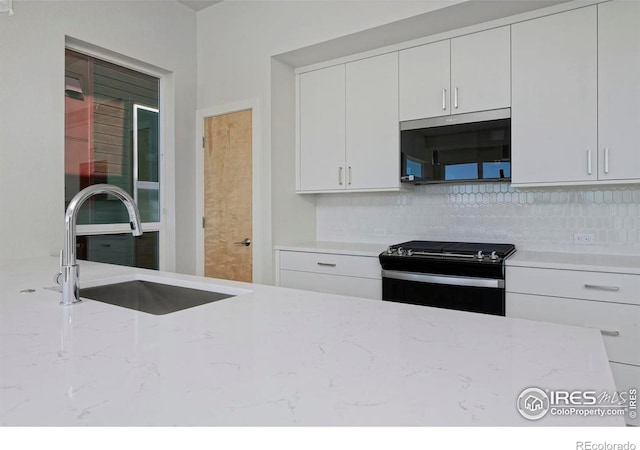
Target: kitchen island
{"points": [[275, 356]]}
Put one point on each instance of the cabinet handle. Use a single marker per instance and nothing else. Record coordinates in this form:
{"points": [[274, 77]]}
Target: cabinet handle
{"points": [[349, 176], [602, 288], [609, 333], [606, 160], [444, 99], [327, 264], [588, 162], [340, 175], [455, 98]]}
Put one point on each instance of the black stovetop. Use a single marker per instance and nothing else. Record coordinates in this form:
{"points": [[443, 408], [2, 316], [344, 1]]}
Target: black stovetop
{"points": [[448, 258], [460, 248]]}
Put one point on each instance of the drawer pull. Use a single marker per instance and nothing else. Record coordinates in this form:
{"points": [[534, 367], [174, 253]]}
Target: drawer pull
{"points": [[609, 333], [327, 264], [602, 288]]}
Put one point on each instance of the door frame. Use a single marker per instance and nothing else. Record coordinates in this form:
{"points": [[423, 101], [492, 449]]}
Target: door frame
{"points": [[258, 232]]}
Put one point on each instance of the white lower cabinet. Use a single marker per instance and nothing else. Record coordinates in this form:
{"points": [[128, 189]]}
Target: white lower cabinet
{"points": [[332, 273], [332, 284], [618, 323], [601, 300]]}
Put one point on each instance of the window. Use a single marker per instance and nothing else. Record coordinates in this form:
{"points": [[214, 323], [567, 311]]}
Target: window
{"points": [[112, 136]]}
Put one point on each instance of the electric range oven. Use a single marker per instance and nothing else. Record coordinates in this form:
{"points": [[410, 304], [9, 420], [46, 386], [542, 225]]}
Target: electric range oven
{"points": [[464, 276]]}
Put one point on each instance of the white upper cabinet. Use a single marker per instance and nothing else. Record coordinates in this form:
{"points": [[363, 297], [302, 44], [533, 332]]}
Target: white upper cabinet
{"points": [[425, 76], [321, 122], [481, 71], [619, 90], [554, 116], [576, 96], [465, 74], [348, 127], [373, 133]]}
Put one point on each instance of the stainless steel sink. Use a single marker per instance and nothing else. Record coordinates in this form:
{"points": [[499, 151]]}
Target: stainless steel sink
{"points": [[151, 297]]}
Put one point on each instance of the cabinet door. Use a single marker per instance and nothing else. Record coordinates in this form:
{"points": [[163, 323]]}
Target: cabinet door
{"points": [[373, 133], [425, 74], [322, 129], [332, 284], [618, 323], [619, 90], [554, 98], [481, 71]]}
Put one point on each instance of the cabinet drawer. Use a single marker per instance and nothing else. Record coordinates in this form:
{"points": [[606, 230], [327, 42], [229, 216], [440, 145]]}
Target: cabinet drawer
{"points": [[601, 286], [627, 377], [332, 284], [619, 323], [329, 263]]}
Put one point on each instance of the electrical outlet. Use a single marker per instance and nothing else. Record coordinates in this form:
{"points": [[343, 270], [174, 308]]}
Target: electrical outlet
{"points": [[584, 238], [380, 232]]}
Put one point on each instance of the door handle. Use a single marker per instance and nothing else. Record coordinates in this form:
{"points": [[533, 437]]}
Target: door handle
{"points": [[246, 242], [602, 287], [610, 333]]}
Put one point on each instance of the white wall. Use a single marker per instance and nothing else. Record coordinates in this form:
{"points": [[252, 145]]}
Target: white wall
{"points": [[236, 40], [32, 43]]}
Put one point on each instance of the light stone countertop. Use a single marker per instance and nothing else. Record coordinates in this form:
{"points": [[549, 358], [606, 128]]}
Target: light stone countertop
{"points": [[341, 248], [627, 264], [275, 356]]}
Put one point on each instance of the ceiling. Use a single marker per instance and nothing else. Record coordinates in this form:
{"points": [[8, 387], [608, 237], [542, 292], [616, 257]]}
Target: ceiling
{"points": [[198, 5]]}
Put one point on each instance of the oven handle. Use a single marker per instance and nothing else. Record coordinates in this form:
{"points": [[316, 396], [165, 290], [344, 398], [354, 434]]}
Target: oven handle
{"points": [[443, 279]]}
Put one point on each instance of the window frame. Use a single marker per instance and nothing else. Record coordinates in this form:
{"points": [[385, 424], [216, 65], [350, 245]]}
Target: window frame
{"points": [[166, 153]]}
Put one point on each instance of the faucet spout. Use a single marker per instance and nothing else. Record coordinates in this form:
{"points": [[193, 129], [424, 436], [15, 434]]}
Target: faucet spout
{"points": [[69, 270]]}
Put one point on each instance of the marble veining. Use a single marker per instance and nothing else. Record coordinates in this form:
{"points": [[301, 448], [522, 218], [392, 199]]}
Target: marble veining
{"points": [[275, 356]]}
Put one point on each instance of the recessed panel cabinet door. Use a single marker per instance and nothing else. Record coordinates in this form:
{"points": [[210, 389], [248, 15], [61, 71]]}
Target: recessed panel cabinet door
{"points": [[619, 90], [481, 71], [554, 104], [373, 134], [322, 129], [425, 75]]}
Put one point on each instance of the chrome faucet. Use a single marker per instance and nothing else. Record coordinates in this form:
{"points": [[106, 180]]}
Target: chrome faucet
{"points": [[69, 275]]}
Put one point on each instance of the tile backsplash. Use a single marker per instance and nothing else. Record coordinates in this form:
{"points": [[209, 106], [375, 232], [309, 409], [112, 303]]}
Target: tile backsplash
{"points": [[543, 219]]}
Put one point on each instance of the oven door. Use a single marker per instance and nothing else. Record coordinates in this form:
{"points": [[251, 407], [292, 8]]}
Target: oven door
{"points": [[483, 295]]}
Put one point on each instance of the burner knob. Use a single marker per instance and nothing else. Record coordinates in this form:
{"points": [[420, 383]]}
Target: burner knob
{"points": [[409, 252], [401, 251], [493, 256], [479, 255]]}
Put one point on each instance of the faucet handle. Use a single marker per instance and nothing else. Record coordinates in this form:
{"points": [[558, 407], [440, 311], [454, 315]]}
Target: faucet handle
{"points": [[56, 277]]}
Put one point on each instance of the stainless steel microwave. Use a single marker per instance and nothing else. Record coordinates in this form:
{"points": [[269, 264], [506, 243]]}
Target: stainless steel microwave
{"points": [[459, 148]]}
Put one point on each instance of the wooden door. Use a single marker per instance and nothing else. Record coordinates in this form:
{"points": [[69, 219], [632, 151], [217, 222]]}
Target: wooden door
{"points": [[227, 196]]}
